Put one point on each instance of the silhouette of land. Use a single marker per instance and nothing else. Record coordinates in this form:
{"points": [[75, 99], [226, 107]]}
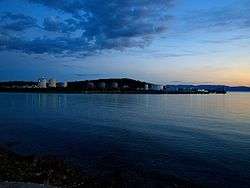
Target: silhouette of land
{"points": [[121, 86]]}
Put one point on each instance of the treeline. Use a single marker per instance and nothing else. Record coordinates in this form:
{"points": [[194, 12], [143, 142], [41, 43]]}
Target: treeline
{"points": [[107, 84], [17, 83]]}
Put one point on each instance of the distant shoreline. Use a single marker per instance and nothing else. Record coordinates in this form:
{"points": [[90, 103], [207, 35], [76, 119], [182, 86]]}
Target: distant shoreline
{"points": [[113, 86], [70, 91]]}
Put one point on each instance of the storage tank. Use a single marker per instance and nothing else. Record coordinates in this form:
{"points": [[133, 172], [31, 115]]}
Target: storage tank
{"points": [[91, 85], [114, 85], [65, 84], [42, 83], [52, 83], [62, 84]]}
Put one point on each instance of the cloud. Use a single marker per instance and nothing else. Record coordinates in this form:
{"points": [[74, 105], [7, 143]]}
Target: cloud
{"points": [[16, 22], [93, 26], [56, 25], [88, 75], [59, 45], [224, 18], [227, 39]]}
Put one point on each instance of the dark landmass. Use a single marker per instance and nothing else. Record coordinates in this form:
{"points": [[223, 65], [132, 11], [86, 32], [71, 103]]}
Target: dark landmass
{"points": [[198, 88], [93, 91], [214, 87], [111, 86], [238, 89], [17, 83], [53, 171], [123, 84]]}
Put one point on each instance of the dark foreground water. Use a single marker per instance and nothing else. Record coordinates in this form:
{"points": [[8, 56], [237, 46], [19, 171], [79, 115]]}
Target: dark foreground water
{"points": [[201, 138]]}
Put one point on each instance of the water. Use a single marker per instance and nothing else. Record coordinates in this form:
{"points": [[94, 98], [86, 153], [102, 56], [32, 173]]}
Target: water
{"points": [[201, 138]]}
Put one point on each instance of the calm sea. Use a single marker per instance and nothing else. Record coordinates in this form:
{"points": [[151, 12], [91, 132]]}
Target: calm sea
{"points": [[201, 138]]}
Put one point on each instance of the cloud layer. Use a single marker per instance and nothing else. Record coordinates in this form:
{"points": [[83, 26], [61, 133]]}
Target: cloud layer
{"points": [[235, 15], [85, 27], [16, 22]]}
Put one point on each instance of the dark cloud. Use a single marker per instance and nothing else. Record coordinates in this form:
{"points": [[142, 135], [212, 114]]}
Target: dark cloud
{"points": [[56, 25], [94, 26], [59, 45], [114, 18], [16, 22]]}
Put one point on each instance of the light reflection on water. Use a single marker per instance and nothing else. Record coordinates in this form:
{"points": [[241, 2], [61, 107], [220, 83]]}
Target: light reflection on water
{"points": [[205, 138]]}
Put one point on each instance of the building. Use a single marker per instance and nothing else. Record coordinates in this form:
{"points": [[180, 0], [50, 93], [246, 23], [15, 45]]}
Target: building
{"points": [[155, 87], [146, 87], [42, 83], [52, 83]]}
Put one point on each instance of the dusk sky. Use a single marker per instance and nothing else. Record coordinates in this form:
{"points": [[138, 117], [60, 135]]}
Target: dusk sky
{"points": [[162, 41]]}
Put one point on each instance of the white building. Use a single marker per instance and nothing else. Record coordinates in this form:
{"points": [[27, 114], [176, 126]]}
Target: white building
{"points": [[42, 83], [52, 83], [146, 87]]}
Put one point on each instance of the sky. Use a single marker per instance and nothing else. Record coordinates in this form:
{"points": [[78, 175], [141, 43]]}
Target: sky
{"points": [[161, 41]]}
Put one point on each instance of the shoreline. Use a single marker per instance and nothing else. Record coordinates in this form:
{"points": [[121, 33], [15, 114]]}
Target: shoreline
{"points": [[23, 185], [71, 91], [43, 170], [52, 171]]}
